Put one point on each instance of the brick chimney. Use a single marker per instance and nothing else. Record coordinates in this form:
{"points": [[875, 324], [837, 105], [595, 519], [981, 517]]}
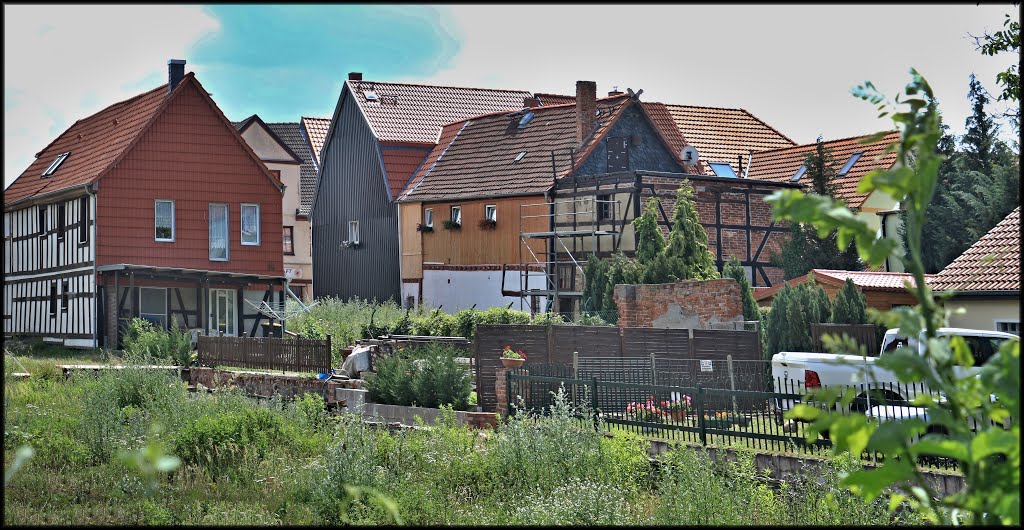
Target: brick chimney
{"points": [[531, 102], [355, 76], [586, 108], [175, 73]]}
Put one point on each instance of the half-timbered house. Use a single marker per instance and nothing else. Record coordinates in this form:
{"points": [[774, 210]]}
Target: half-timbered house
{"points": [[153, 207]]}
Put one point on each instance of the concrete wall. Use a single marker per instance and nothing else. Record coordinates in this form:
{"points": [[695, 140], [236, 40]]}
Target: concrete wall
{"points": [[689, 304], [460, 289], [983, 314]]}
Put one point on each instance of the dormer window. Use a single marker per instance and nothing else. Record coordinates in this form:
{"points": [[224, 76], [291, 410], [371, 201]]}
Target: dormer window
{"points": [[56, 163]]}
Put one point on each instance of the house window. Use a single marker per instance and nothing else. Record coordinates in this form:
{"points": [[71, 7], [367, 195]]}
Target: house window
{"points": [[83, 220], [42, 220], [53, 299], [491, 212], [218, 232], [722, 170], [64, 296], [428, 217], [250, 224], [287, 236], [56, 164], [457, 215], [1008, 326], [61, 218], [163, 220], [222, 312], [353, 232], [153, 305], [604, 207]]}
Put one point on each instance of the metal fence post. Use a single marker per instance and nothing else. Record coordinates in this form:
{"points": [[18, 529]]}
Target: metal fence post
{"points": [[654, 374], [593, 400], [575, 375], [732, 384], [508, 393], [700, 416]]}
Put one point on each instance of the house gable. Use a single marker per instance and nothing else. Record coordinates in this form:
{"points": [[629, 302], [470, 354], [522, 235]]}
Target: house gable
{"points": [[269, 146], [192, 155], [644, 147]]}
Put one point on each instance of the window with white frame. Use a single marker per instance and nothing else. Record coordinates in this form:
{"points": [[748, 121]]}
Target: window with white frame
{"points": [[456, 215], [218, 232], [428, 217], [491, 212], [1008, 326], [250, 224], [353, 232], [153, 305], [163, 224]]}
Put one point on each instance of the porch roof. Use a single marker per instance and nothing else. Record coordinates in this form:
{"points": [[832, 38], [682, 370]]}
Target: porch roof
{"points": [[191, 274]]}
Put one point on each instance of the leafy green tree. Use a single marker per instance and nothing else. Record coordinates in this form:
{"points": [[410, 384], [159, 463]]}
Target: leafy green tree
{"points": [[979, 416], [734, 270], [850, 307], [806, 249], [1005, 40]]}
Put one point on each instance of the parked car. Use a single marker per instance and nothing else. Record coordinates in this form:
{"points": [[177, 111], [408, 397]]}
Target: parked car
{"points": [[795, 372]]}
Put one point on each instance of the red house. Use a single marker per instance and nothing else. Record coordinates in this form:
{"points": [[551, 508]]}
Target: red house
{"points": [[153, 207]]}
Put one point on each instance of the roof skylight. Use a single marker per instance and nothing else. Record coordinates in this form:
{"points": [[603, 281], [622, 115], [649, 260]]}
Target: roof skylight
{"points": [[56, 164], [799, 173], [526, 119], [722, 169], [520, 156], [370, 95], [849, 163]]}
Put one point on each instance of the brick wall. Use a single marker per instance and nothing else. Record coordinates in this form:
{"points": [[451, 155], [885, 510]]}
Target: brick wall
{"points": [[689, 304]]}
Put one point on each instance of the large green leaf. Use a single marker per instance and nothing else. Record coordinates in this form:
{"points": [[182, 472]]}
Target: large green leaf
{"points": [[869, 483]]}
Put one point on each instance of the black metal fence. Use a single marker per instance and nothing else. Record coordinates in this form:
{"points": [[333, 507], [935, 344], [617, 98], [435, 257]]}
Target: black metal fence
{"points": [[699, 414]]}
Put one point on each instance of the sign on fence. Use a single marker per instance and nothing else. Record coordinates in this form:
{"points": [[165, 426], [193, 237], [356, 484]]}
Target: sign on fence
{"points": [[706, 366]]}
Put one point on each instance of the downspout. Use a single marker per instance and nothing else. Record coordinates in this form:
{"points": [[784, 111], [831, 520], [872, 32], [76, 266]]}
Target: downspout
{"points": [[90, 191]]}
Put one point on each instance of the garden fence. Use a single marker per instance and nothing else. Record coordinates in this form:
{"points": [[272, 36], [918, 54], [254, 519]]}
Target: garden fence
{"points": [[716, 416], [291, 354]]}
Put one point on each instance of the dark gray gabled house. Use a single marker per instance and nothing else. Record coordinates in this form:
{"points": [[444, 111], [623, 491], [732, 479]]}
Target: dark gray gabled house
{"points": [[380, 134]]}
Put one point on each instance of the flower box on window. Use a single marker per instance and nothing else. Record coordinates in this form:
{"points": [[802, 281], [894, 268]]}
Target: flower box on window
{"points": [[488, 224], [420, 227], [451, 225]]}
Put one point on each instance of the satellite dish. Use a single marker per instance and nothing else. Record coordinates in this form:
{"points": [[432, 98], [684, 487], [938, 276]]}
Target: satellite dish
{"points": [[689, 155]]}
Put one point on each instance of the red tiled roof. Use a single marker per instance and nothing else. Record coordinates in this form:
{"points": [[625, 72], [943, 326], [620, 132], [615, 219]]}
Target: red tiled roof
{"points": [[415, 113], [94, 143], [401, 162], [97, 142], [866, 280], [780, 165], [316, 131], [666, 126], [991, 264], [549, 100], [723, 134], [477, 157]]}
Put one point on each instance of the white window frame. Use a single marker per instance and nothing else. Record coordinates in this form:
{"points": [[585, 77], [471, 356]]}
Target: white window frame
{"points": [[456, 215], [353, 232], [143, 314], [227, 230], [491, 212], [156, 203], [995, 325], [230, 308], [241, 224], [428, 217]]}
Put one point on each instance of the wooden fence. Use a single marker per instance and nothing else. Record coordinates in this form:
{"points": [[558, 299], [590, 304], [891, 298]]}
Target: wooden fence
{"points": [[865, 334], [291, 354], [556, 344]]}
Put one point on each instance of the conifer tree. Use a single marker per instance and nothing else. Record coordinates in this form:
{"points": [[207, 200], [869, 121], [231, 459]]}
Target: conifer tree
{"points": [[647, 234], [687, 250], [850, 306], [734, 270]]}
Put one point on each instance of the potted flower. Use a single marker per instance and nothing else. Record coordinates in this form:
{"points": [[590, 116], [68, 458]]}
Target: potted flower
{"points": [[512, 358], [677, 409], [488, 224], [451, 225], [725, 419], [647, 412], [420, 227]]}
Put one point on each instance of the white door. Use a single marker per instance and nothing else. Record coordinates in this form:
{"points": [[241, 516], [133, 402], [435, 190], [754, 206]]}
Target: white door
{"points": [[222, 312]]}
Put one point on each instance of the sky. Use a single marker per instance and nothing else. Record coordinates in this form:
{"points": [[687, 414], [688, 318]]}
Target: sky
{"points": [[792, 66]]}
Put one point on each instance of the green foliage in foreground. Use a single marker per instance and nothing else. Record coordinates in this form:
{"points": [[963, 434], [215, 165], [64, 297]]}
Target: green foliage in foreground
{"points": [[977, 423], [272, 462]]}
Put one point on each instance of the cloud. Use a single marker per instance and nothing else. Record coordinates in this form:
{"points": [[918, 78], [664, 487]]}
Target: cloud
{"points": [[791, 65], [65, 62]]}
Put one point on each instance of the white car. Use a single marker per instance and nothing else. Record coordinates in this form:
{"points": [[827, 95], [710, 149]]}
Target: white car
{"points": [[796, 372]]}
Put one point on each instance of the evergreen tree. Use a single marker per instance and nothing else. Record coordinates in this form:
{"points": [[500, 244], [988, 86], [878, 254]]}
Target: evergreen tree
{"points": [[850, 306], [687, 250], [734, 270], [978, 143], [821, 170], [794, 309], [647, 234]]}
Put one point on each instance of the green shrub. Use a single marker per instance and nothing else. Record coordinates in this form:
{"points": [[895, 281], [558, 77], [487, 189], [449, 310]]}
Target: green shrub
{"points": [[145, 342], [221, 441], [425, 376], [435, 324]]}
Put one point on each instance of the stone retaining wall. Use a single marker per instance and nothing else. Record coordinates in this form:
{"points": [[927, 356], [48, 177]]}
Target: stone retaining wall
{"points": [[263, 384]]}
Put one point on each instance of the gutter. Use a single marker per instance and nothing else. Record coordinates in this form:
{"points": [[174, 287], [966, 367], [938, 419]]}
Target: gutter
{"points": [[48, 197]]}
